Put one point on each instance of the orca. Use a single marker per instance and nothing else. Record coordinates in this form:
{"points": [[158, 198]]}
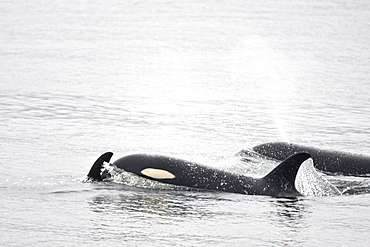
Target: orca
{"points": [[95, 172], [280, 182], [332, 162]]}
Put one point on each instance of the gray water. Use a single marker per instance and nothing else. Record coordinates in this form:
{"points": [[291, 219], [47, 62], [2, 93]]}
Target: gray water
{"points": [[197, 80]]}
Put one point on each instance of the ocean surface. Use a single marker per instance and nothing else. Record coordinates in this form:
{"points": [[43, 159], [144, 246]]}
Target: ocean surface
{"points": [[196, 80]]}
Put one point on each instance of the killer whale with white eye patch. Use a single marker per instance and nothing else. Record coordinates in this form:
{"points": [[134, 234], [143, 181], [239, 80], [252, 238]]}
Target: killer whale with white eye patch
{"points": [[280, 182]]}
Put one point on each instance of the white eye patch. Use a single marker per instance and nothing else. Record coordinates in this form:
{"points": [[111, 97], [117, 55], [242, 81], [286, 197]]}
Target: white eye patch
{"points": [[157, 173]]}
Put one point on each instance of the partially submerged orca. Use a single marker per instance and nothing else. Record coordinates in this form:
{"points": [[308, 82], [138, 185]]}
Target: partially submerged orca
{"points": [[334, 162], [280, 182]]}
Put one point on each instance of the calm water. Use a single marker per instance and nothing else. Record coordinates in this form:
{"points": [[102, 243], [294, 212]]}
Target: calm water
{"points": [[198, 80]]}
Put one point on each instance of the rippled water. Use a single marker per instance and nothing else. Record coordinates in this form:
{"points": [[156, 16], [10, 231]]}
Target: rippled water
{"points": [[197, 80]]}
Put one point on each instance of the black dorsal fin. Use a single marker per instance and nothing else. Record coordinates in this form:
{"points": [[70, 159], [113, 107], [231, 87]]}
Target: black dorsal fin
{"points": [[95, 170], [281, 180]]}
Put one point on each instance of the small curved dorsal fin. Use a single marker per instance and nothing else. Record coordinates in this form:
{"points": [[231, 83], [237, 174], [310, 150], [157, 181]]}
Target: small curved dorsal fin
{"points": [[281, 180], [95, 170]]}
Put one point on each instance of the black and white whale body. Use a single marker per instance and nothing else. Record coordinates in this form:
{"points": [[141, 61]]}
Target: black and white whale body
{"points": [[335, 162], [280, 182]]}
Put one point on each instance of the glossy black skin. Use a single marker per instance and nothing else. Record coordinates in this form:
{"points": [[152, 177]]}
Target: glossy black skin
{"points": [[278, 183], [334, 162], [95, 171]]}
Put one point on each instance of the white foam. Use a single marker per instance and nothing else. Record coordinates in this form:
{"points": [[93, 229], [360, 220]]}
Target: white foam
{"points": [[310, 183]]}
